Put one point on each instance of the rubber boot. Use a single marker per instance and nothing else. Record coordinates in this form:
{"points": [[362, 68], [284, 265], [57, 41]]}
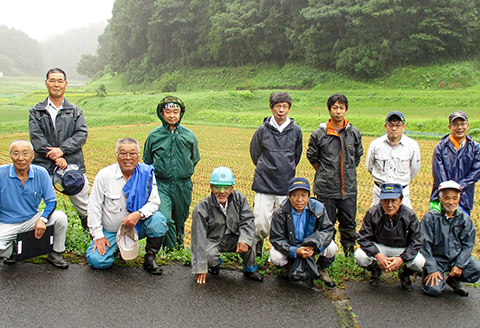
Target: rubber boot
{"points": [[151, 250], [404, 276], [259, 249], [376, 272], [83, 220], [323, 263]]}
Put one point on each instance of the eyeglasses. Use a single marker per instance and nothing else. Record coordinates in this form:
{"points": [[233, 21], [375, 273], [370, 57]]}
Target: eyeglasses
{"points": [[392, 125], [24, 154], [277, 106], [54, 81], [457, 124], [222, 188], [125, 154]]}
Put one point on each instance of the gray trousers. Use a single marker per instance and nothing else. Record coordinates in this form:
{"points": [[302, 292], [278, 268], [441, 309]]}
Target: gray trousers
{"points": [[471, 274], [9, 231], [229, 244]]}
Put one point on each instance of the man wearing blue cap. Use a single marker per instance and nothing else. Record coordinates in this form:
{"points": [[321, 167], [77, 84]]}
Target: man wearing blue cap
{"points": [[301, 230], [393, 158], [457, 157], [390, 236], [222, 222]]}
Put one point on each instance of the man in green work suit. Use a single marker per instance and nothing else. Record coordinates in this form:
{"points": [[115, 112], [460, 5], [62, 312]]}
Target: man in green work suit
{"points": [[173, 151]]}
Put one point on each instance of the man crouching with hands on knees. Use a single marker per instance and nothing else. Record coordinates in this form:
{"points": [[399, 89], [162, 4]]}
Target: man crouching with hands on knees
{"points": [[449, 239], [222, 222], [390, 236], [300, 230]]}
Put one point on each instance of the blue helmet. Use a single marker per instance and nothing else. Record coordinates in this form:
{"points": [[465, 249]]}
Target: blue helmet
{"points": [[222, 176]]}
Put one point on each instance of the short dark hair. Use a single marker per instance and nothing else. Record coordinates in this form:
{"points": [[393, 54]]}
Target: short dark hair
{"points": [[337, 97], [56, 70], [280, 97]]}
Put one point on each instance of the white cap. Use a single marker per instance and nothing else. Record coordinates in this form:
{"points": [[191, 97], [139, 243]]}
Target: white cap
{"points": [[127, 241], [450, 184]]}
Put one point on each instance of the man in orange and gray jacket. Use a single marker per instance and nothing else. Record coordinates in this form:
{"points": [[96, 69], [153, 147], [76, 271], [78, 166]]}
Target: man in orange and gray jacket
{"points": [[334, 150]]}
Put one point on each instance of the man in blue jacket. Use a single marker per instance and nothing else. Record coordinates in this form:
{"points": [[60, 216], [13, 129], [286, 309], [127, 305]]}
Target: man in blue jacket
{"points": [[301, 230], [275, 149], [457, 157]]}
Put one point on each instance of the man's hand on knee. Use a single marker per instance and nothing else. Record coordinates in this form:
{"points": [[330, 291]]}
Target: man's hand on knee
{"points": [[201, 278], [101, 245], [40, 228]]}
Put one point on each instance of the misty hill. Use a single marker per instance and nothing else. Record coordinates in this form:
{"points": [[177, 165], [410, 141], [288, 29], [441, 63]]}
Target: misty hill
{"points": [[20, 55], [65, 50]]}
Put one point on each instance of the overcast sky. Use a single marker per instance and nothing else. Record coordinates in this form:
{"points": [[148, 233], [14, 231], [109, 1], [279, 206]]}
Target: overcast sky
{"points": [[40, 19]]}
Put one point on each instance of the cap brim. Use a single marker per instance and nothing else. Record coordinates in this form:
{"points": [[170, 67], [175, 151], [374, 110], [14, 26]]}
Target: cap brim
{"points": [[390, 195], [298, 187]]}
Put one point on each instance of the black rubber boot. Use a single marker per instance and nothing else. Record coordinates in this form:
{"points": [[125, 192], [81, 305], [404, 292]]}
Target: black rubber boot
{"points": [[259, 249], [151, 250], [376, 273], [404, 276], [83, 220], [455, 284]]}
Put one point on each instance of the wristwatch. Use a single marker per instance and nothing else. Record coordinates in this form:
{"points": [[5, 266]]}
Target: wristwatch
{"points": [[142, 216]]}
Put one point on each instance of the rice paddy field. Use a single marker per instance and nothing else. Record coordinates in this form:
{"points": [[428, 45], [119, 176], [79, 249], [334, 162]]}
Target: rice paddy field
{"points": [[228, 146]]}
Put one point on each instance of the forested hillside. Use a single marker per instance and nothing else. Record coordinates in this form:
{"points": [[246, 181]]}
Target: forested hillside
{"points": [[361, 38]]}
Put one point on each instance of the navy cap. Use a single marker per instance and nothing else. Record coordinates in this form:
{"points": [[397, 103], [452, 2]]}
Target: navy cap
{"points": [[400, 116], [390, 191], [457, 114], [69, 181], [299, 183]]}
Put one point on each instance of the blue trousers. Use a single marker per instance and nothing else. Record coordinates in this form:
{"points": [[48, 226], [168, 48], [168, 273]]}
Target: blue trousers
{"points": [[154, 226], [471, 274]]}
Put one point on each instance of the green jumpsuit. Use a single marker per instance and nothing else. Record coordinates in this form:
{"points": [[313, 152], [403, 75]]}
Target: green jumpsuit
{"points": [[174, 155]]}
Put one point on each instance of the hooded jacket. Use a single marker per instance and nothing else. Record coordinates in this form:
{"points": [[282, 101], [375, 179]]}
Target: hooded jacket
{"points": [[69, 134], [450, 241], [402, 231], [276, 156], [337, 157], [174, 154], [462, 166]]}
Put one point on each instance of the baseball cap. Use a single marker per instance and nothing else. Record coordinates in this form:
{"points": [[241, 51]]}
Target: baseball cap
{"points": [[457, 114], [395, 113], [390, 191], [299, 183], [68, 181], [450, 184], [127, 242]]}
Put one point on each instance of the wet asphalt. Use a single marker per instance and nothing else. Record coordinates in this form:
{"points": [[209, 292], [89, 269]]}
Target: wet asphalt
{"points": [[40, 295]]}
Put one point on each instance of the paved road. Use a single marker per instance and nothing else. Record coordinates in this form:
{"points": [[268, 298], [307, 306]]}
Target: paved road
{"points": [[39, 295]]}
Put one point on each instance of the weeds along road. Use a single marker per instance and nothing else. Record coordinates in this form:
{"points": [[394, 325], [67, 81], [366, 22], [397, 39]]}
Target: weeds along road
{"points": [[226, 146]]}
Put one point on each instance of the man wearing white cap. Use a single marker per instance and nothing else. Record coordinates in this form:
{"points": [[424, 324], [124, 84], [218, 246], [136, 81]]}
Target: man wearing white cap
{"points": [[393, 158], [390, 237], [449, 240], [457, 157], [125, 194]]}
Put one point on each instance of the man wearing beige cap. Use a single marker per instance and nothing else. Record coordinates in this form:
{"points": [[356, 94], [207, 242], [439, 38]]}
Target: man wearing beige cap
{"points": [[449, 240], [457, 157], [125, 194]]}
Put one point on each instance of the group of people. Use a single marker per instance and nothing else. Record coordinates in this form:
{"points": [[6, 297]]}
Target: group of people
{"points": [[152, 199]]}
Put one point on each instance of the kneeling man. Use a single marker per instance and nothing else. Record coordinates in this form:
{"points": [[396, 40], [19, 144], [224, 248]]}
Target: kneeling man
{"points": [[300, 230], [222, 222], [389, 237], [449, 240], [22, 187], [125, 194]]}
